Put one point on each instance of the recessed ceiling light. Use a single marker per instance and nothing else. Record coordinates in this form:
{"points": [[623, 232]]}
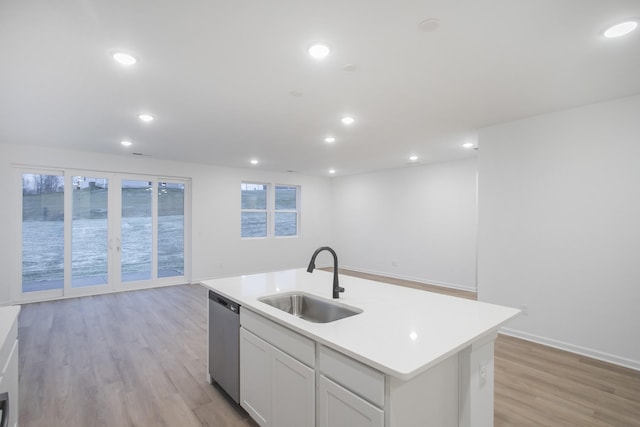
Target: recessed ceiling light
{"points": [[254, 161], [413, 158], [145, 117], [329, 140], [125, 143], [347, 120], [319, 50], [124, 58], [429, 25], [468, 145], [620, 29], [332, 171]]}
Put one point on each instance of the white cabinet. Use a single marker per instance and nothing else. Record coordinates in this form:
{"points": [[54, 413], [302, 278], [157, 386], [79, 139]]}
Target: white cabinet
{"points": [[339, 407], [9, 365], [275, 389], [255, 377], [279, 368], [350, 393], [292, 392]]}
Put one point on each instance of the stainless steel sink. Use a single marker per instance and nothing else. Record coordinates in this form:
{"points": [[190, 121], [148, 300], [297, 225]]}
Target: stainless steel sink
{"points": [[310, 307]]}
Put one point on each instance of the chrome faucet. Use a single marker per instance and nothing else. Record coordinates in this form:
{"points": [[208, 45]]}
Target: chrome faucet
{"points": [[312, 264]]}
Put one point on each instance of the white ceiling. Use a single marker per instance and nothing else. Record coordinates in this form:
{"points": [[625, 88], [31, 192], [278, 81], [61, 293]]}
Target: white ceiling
{"points": [[219, 75]]}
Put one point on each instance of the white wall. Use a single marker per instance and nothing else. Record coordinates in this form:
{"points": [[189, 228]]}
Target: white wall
{"points": [[417, 223], [559, 227], [217, 249]]}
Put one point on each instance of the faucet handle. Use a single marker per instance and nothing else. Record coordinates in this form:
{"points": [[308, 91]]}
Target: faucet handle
{"points": [[340, 289]]}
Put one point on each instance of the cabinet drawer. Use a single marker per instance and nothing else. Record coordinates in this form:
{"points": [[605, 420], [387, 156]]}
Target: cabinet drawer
{"points": [[290, 342], [339, 407], [353, 375]]}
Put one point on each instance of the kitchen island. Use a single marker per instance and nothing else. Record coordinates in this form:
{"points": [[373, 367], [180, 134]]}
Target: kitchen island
{"points": [[409, 358]]}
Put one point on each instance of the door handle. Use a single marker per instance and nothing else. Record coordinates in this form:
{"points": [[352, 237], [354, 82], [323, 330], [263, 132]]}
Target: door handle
{"points": [[4, 407], [110, 248]]}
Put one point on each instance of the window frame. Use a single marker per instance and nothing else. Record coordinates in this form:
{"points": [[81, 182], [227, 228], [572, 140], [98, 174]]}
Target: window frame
{"points": [[114, 284], [271, 211]]}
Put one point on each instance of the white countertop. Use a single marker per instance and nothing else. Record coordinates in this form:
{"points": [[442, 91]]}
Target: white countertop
{"points": [[401, 331]]}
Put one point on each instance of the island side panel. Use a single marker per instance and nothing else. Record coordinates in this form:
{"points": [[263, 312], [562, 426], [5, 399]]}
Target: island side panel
{"points": [[431, 398], [476, 383]]}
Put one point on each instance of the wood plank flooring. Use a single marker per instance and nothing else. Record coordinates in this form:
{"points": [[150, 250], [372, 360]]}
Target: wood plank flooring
{"points": [[128, 359], [139, 359]]}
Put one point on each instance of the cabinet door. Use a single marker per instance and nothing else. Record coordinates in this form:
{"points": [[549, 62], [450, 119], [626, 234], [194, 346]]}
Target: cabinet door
{"points": [[292, 392], [340, 407], [255, 372]]}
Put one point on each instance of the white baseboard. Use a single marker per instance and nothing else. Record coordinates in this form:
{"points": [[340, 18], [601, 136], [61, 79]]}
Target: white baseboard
{"points": [[594, 354], [413, 279]]}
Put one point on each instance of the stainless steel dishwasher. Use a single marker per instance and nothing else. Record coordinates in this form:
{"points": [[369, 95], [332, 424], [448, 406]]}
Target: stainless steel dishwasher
{"points": [[224, 344]]}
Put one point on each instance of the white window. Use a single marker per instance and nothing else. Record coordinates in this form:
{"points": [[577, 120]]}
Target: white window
{"points": [[269, 210]]}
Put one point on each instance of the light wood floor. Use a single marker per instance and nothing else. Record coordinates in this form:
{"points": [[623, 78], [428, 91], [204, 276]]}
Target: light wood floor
{"points": [[128, 359], [139, 359]]}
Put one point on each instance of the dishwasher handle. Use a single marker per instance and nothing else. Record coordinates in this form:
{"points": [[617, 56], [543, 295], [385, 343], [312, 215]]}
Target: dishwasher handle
{"points": [[226, 303]]}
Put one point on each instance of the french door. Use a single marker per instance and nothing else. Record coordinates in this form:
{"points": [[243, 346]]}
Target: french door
{"points": [[89, 232]]}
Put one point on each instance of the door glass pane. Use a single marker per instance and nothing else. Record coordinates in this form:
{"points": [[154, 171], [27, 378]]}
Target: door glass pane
{"points": [[170, 229], [136, 230], [42, 232], [89, 232]]}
